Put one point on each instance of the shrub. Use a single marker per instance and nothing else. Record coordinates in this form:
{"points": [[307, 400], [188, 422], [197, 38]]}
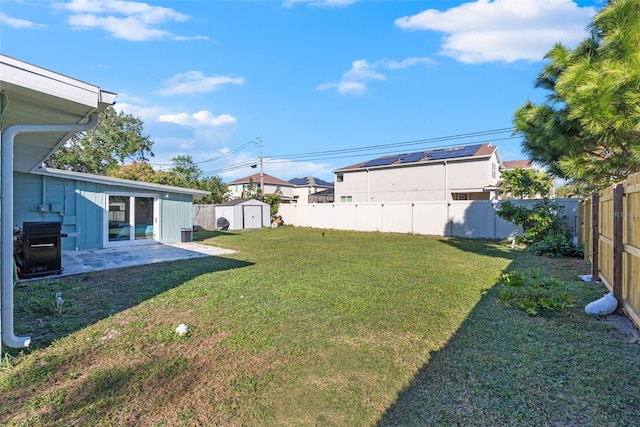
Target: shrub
{"points": [[557, 245], [531, 292], [543, 228]]}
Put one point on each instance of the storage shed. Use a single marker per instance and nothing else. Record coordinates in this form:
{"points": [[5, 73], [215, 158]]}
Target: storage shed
{"points": [[244, 214]]}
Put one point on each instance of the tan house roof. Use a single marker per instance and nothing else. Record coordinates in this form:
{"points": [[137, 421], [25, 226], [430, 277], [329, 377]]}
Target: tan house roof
{"points": [[421, 157], [267, 179], [512, 164]]}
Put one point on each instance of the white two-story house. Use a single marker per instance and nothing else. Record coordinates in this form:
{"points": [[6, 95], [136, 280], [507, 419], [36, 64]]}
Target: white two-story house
{"points": [[305, 188], [272, 185], [457, 173]]}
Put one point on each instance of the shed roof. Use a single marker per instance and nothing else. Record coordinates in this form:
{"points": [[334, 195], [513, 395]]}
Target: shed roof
{"points": [[237, 202]]}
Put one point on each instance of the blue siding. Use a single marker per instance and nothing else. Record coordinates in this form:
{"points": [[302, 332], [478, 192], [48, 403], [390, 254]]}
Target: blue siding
{"points": [[175, 213], [56, 195], [80, 206], [90, 214]]}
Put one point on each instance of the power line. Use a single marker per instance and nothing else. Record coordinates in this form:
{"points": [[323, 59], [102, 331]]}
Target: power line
{"points": [[222, 156], [378, 150], [404, 144]]}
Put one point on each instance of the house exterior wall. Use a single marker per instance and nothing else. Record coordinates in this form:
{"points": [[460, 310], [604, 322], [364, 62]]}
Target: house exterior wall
{"points": [[81, 207], [303, 193], [418, 182], [237, 190]]}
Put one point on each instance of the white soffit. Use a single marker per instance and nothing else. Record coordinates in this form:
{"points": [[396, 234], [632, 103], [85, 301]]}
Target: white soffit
{"points": [[39, 96]]}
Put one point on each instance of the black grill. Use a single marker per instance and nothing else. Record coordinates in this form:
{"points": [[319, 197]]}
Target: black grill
{"points": [[38, 251]]}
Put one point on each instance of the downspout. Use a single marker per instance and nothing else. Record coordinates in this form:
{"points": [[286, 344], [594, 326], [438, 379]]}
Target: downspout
{"points": [[446, 199], [8, 137]]}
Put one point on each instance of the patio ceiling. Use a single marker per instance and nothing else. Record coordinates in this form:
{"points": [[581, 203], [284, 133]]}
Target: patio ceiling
{"points": [[34, 95]]}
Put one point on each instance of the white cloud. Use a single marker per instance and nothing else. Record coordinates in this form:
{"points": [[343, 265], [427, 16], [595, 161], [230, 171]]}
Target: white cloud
{"points": [[194, 82], [129, 20], [146, 114], [319, 3], [200, 119], [393, 64], [17, 22], [355, 80], [504, 30]]}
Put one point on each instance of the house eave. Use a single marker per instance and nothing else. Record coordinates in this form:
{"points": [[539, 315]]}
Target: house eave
{"points": [[107, 180]]}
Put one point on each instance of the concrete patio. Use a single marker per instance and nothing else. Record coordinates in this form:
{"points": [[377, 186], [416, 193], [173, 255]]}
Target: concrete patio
{"points": [[85, 261]]}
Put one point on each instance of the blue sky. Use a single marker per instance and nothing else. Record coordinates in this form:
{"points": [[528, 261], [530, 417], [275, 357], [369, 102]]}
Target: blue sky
{"points": [[322, 84]]}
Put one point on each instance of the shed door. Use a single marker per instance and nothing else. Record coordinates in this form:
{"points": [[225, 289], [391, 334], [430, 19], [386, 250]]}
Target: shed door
{"points": [[252, 216]]}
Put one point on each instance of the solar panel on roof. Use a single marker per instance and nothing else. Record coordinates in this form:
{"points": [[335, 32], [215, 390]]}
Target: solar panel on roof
{"points": [[298, 181], [412, 157], [380, 161], [322, 182], [455, 152]]}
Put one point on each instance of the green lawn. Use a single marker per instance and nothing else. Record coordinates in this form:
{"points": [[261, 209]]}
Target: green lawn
{"points": [[301, 328]]}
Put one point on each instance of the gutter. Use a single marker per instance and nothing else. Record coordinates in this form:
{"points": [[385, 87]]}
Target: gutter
{"points": [[8, 139]]}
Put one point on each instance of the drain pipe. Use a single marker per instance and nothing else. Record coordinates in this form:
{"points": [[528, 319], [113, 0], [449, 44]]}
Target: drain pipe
{"points": [[8, 137]]}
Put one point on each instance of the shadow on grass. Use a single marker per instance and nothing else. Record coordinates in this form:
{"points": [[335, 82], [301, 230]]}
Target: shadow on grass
{"points": [[492, 248], [209, 234], [91, 297], [502, 367]]}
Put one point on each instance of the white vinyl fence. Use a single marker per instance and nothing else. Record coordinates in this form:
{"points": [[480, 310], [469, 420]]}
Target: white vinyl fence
{"points": [[471, 219]]}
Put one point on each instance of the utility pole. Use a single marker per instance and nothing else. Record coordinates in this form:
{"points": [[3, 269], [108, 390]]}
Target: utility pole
{"points": [[261, 170]]}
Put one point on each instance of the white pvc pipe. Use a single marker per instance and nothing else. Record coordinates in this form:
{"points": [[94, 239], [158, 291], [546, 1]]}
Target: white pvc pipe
{"points": [[8, 137]]}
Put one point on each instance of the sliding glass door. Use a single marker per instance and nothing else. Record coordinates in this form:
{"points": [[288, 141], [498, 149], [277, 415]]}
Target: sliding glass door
{"points": [[131, 219]]}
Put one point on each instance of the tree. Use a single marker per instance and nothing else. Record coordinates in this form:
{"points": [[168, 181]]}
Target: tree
{"points": [[219, 192], [588, 130], [142, 171], [187, 174], [274, 201], [116, 139], [252, 191], [543, 221], [521, 183]]}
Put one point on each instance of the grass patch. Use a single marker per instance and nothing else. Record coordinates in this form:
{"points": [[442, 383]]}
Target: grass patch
{"points": [[301, 328]]}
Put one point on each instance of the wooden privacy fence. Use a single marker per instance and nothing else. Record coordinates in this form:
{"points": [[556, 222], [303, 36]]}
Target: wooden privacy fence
{"points": [[204, 216], [610, 231]]}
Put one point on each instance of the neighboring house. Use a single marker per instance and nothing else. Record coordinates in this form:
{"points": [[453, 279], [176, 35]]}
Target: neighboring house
{"points": [[324, 196], [512, 164], [272, 185], [305, 188], [457, 173], [41, 110]]}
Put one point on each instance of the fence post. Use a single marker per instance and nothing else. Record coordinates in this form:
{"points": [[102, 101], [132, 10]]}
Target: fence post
{"points": [[595, 236], [618, 216]]}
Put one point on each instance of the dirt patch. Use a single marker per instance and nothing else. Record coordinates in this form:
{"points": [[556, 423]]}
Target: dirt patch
{"points": [[625, 326]]}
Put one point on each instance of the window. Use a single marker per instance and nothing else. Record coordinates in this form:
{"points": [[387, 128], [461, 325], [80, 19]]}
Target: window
{"points": [[460, 196], [339, 177], [345, 199], [494, 171]]}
